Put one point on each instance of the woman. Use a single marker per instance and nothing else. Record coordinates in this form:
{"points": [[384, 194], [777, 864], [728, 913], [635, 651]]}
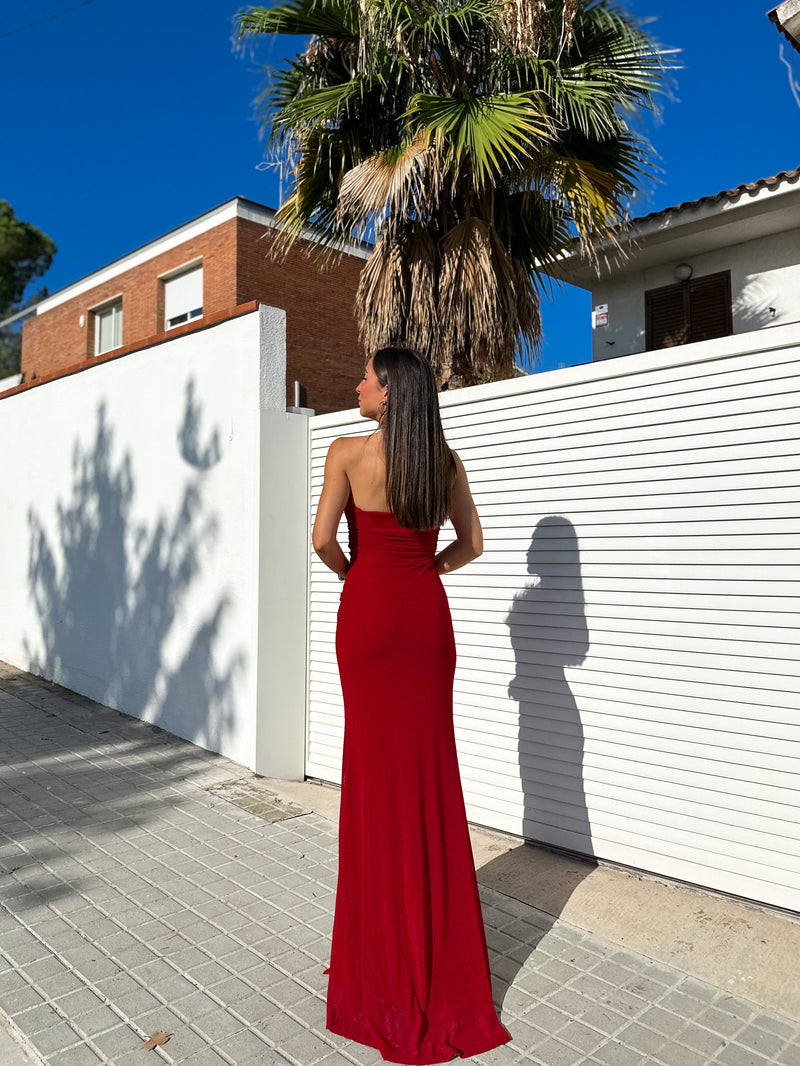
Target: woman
{"points": [[409, 971]]}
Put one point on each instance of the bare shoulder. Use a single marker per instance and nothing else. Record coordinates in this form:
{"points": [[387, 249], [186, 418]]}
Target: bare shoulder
{"points": [[343, 448], [348, 450], [459, 464], [351, 443], [461, 490], [460, 474]]}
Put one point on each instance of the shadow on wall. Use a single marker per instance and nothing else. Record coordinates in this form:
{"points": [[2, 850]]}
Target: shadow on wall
{"points": [[110, 591], [548, 633], [756, 306], [201, 456]]}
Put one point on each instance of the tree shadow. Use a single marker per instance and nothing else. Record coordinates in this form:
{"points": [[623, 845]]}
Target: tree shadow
{"points": [[202, 456], [549, 633], [110, 589], [61, 753], [757, 306]]}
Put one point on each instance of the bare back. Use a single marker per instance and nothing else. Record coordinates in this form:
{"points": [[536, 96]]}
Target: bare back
{"points": [[356, 466], [364, 463]]}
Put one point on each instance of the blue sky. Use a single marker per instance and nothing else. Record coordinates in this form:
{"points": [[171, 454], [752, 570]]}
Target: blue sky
{"points": [[130, 119]]}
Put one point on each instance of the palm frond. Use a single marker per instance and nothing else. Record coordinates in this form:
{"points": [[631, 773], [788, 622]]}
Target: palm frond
{"points": [[334, 18], [382, 295], [387, 180], [422, 326], [322, 106], [488, 132], [534, 228], [477, 137], [310, 206], [418, 28], [482, 291]]}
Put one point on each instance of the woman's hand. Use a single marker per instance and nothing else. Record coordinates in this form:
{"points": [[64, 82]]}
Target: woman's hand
{"points": [[332, 502], [468, 544]]}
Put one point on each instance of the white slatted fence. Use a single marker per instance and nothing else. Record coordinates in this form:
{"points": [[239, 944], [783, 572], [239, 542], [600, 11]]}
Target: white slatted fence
{"points": [[627, 682]]}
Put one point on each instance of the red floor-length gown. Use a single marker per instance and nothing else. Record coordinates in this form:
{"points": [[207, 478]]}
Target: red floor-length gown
{"points": [[409, 972]]}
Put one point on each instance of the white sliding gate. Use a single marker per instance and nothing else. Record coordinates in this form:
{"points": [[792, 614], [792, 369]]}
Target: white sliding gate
{"points": [[627, 682]]}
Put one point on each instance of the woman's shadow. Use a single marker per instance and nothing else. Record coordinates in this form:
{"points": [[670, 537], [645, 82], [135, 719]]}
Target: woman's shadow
{"points": [[549, 633]]}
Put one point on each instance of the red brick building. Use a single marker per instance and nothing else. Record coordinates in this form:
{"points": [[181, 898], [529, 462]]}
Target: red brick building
{"points": [[201, 271]]}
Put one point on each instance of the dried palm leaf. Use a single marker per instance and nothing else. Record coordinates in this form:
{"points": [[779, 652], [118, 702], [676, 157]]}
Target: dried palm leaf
{"points": [[388, 180]]}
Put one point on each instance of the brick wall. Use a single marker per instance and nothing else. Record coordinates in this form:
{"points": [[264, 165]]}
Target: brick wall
{"points": [[322, 350], [55, 340], [318, 296]]}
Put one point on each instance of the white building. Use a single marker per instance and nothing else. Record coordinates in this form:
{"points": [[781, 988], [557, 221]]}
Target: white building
{"points": [[722, 264], [786, 17]]}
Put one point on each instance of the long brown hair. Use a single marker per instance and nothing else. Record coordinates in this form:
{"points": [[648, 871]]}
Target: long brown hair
{"points": [[420, 468]]}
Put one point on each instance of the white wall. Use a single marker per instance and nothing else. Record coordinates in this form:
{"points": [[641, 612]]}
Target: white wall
{"points": [[765, 272], [628, 681], [10, 382], [132, 554], [282, 595]]}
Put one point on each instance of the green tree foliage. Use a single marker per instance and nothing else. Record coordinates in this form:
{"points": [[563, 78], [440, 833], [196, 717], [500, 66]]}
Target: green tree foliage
{"points": [[474, 139], [25, 254]]}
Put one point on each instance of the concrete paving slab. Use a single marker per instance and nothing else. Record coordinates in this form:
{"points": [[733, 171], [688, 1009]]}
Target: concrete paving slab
{"points": [[147, 884], [15, 1049], [734, 945]]}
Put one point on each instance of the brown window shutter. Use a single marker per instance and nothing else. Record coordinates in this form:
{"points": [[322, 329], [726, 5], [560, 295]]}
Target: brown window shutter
{"points": [[666, 317], [695, 310], [710, 307]]}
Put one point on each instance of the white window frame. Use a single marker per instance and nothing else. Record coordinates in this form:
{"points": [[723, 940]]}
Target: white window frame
{"points": [[114, 308], [191, 314]]}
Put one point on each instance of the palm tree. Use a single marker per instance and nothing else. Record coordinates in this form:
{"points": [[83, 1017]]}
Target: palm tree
{"points": [[474, 139]]}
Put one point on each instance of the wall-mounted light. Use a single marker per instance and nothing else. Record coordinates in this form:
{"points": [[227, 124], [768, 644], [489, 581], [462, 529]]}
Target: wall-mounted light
{"points": [[683, 271]]}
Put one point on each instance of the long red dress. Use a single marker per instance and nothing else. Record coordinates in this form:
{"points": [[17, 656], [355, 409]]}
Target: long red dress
{"points": [[409, 971]]}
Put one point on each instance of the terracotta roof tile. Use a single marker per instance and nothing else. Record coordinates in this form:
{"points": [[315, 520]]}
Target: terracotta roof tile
{"points": [[726, 194], [773, 17]]}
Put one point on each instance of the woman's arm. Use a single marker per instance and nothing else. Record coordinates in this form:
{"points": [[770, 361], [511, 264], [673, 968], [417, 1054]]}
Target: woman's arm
{"points": [[468, 544], [332, 502]]}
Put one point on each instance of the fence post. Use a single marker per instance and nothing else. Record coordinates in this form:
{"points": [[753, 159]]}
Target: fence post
{"points": [[282, 566]]}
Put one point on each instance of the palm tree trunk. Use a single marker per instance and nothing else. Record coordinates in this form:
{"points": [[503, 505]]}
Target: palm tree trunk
{"points": [[456, 372]]}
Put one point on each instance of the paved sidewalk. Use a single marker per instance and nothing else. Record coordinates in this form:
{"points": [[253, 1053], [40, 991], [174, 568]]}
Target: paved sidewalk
{"points": [[15, 1048], [146, 885]]}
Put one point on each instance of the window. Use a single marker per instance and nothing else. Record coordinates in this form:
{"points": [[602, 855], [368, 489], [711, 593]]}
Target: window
{"points": [[108, 327], [183, 297], [695, 310]]}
